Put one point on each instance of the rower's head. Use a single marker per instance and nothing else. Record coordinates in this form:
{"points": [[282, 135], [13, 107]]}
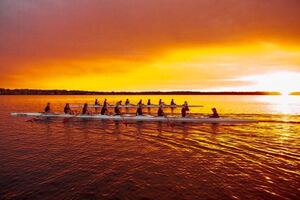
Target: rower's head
{"points": [[85, 105], [48, 104], [67, 104], [214, 110]]}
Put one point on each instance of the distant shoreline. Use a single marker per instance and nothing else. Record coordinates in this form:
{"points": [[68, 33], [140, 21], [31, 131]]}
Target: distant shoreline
{"points": [[79, 92]]}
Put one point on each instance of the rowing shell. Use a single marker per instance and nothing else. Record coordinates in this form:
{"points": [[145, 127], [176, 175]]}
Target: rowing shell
{"points": [[146, 118], [135, 106]]}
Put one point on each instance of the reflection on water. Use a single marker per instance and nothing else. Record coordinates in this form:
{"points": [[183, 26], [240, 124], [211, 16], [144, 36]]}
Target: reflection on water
{"points": [[283, 104], [100, 159]]}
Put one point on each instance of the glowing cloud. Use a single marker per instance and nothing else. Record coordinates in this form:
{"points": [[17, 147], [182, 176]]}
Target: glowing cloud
{"points": [[146, 45]]}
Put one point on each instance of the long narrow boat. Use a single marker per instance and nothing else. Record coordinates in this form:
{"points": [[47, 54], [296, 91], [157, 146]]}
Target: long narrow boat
{"points": [[146, 118], [135, 106]]}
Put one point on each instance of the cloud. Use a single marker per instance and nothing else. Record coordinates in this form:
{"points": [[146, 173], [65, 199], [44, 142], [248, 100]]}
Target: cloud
{"points": [[101, 37]]}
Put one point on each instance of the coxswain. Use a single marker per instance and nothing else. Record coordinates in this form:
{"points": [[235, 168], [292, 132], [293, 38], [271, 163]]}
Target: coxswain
{"points": [[67, 109], [215, 113], [117, 108], [160, 112], [139, 110], [85, 110], [96, 102], [184, 109], [47, 108]]}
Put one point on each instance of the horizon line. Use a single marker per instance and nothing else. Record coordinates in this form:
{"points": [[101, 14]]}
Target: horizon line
{"points": [[4, 91]]}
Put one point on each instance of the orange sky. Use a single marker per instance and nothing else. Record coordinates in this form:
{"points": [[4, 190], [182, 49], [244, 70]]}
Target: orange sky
{"points": [[150, 45]]}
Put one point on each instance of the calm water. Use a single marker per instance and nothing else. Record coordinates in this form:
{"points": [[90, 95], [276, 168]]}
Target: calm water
{"points": [[90, 159]]}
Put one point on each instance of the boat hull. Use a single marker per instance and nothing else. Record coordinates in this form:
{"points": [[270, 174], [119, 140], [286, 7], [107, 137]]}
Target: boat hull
{"points": [[146, 118]]}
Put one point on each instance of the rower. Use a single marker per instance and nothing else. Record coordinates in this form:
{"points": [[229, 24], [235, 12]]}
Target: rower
{"points": [[140, 102], [160, 102], [104, 109], [105, 103], [96, 102], [127, 102], [139, 110], [172, 103], [184, 109], [215, 113], [85, 110], [67, 109], [47, 108], [149, 102], [117, 108], [160, 112]]}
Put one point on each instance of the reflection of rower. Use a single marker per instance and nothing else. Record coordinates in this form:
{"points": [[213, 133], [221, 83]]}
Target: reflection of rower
{"points": [[160, 112], [139, 110], [67, 109], [117, 108], [184, 109], [47, 108], [215, 113], [85, 110]]}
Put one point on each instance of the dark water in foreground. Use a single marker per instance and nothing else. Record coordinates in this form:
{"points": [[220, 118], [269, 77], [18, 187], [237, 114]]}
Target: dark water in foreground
{"points": [[90, 159]]}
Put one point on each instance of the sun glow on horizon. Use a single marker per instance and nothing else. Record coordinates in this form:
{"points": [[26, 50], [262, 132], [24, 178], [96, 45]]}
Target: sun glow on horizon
{"points": [[284, 82]]}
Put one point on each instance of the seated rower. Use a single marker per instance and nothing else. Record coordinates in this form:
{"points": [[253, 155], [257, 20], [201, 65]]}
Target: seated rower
{"points": [[104, 110], [172, 103], [117, 108], [184, 109], [127, 102], [139, 110], [96, 102], [85, 110], [140, 102], [160, 102], [105, 103], [215, 113], [67, 109], [47, 108], [149, 102], [160, 112]]}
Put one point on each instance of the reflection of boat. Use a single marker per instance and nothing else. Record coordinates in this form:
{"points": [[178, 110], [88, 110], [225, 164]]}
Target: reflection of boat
{"points": [[135, 106], [146, 118]]}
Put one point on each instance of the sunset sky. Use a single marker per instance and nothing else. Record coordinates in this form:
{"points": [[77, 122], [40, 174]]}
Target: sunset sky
{"points": [[134, 45]]}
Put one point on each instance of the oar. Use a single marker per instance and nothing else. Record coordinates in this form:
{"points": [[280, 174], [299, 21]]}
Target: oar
{"points": [[35, 119]]}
